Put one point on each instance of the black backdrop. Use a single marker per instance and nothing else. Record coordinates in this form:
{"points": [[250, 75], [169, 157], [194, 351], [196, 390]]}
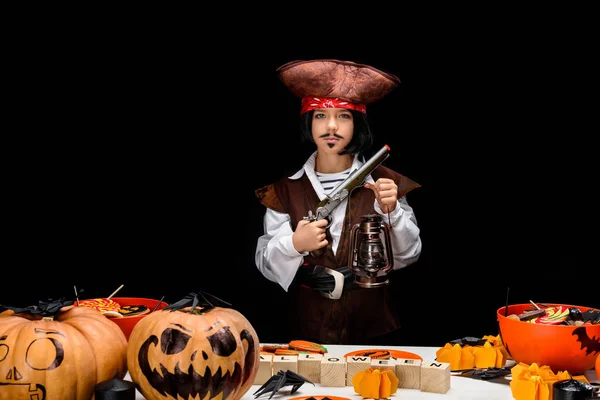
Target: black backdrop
{"points": [[136, 164]]}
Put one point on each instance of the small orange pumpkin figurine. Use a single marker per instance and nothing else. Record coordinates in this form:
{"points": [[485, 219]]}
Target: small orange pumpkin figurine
{"points": [[194, 349], [374, 383]]}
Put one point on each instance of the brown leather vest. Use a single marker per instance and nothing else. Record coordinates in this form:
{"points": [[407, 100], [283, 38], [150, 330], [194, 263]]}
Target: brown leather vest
{"points": [[361, 313]]}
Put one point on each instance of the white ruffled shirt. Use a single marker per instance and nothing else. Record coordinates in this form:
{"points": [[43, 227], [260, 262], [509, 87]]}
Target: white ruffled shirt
{"points": [[277, 259]]}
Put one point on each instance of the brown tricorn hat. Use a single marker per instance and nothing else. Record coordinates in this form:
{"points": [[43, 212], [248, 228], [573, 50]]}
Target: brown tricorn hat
{"points": [[357, 83]]}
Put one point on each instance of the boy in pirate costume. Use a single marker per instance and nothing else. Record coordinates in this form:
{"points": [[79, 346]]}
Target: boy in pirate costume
{"points": [[334, 96]]}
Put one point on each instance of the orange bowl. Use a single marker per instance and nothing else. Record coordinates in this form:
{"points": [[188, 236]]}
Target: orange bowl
{"points": [[560, 347], [127, 323]]}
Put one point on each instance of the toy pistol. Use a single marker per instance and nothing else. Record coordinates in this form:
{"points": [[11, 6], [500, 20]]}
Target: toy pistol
{"points": [[343, 190]]}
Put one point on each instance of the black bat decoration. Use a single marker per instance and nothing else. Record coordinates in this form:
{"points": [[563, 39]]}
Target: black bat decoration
{"points": [[592, 315], [203, 299], [486, 373], [281, 379], [591, 345], [469, 340], [44, 308]]}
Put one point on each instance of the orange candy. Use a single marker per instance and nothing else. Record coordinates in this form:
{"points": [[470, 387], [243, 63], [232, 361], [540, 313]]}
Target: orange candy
{"points": [[101, 305]]}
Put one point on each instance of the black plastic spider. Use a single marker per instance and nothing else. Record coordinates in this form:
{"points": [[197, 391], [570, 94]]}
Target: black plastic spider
{"points": [[281, 379]]}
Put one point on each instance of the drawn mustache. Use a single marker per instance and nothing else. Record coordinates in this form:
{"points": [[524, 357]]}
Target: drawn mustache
{"points": [[335, 135]]}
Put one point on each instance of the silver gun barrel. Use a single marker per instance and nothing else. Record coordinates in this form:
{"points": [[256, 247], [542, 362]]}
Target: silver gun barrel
{"points": [[365, 170]]}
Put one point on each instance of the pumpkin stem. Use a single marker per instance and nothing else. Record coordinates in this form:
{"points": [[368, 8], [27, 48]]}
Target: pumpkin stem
{"points": [[48, 318]]}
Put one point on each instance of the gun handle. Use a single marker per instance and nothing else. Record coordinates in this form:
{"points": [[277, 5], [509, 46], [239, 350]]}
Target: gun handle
{"points": [[319, 252]]}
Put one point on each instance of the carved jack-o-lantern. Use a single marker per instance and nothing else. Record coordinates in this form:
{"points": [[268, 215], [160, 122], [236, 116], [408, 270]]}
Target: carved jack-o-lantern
{"points": [[58, 355], [184, 352]]}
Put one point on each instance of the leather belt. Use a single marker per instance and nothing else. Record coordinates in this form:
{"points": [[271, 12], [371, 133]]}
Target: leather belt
{"points": [[330, 283]]}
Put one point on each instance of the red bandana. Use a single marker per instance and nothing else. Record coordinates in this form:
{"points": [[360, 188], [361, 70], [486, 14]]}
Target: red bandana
{"points": [[311, 103]]}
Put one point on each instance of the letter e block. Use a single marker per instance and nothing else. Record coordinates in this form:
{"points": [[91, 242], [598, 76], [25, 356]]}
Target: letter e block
{"points": [[355, 364], [382, 365], [333, 371], [408, 372], [265, 369], [435, 377], [309, 366]]}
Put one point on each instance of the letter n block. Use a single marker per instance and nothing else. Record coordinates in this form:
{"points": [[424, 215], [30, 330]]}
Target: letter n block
{"points": [[309, 366], [408, 372], [435, 377], [355, 364], [333, 371], [265, 369]]}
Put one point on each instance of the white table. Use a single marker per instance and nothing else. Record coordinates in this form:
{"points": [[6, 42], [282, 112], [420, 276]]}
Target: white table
{"points": [[461, 387]]}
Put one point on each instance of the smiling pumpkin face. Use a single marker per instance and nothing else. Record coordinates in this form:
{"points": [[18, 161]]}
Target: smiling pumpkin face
{"points": [[62, 357], [212, 354]]}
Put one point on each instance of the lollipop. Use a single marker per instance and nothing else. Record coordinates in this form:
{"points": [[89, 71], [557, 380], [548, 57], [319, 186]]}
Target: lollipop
{"points": [[105, 306], [554, 316]]}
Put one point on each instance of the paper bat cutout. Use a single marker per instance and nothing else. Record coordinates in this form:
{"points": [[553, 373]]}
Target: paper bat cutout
{"points": [[469, 340], [486, 373], [203, 299], [591, 345], [281, 379], [592, 315], [44, 308]]}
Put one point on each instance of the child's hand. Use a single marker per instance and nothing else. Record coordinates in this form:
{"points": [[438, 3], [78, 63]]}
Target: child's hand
{"points": [[310, 236], [386, 192]]}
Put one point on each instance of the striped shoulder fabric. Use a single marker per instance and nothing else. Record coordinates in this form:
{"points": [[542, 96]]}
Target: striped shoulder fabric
{"points": [[330, 181]]}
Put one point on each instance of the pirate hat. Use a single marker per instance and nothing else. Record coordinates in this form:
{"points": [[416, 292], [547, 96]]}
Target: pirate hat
{"points": [[330, 83]]}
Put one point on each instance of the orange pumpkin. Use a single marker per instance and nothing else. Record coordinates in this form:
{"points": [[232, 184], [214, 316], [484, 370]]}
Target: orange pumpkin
{"points": [[62, 354], [186, 352], [598, 366]]}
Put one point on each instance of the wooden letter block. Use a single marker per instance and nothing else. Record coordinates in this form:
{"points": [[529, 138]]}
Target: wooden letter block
{"points": [[309, 366], [355, 364], [333, 371], [435, 377], [408, 372], [265, 369], [382, 365], [285, 363]]}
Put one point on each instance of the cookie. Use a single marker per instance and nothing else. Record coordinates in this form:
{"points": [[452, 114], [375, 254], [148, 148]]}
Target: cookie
{"points": [[128, 311]]}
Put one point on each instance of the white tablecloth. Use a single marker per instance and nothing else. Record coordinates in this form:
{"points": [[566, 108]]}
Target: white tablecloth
{"points": [[461, 387]]}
